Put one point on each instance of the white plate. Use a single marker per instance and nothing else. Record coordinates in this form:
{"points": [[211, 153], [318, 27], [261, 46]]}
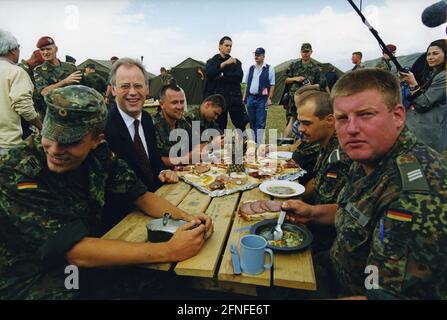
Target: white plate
{"points": [[298, 188], [280, 155]]}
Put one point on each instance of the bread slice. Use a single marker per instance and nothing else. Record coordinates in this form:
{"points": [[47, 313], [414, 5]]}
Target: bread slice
{"points": [[260, 216]]}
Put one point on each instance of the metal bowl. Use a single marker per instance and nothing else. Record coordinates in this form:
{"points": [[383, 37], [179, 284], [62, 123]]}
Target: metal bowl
{"points": [[260, 228], [161, 230]]}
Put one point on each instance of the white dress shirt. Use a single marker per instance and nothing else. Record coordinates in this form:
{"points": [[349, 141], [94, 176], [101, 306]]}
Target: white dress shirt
{"points": [[129, 121]]}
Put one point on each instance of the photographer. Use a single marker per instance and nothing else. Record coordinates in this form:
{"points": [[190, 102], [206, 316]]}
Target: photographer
{"points": [[427, 117]]}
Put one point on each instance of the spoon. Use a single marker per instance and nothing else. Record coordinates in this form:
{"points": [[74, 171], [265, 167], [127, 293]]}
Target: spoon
{"points": [[277, 231]]}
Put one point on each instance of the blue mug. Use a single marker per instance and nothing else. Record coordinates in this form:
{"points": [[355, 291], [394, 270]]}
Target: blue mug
{"points": [[252, 249]]}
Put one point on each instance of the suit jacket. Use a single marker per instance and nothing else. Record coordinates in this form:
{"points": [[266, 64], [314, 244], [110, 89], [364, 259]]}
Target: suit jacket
{"points": [[121, 143]]}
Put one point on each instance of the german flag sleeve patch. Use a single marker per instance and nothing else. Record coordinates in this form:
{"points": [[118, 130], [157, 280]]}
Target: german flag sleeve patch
{"points": [[399, 215], [23, 184]]}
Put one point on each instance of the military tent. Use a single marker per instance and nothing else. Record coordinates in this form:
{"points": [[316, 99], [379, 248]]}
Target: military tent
{"points": [[190, 76], [280, 76], [103, 67]]}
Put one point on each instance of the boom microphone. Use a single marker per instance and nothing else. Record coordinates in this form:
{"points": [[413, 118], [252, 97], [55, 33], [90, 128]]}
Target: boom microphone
{"points": [[435, 15]]}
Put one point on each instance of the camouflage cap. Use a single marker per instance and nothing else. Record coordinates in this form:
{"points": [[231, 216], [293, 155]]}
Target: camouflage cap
{"points": [[72, 112], [70, 59], [306, 47]]}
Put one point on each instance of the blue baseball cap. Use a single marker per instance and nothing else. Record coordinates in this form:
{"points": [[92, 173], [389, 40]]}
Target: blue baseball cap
{"points": [[260, 51]]}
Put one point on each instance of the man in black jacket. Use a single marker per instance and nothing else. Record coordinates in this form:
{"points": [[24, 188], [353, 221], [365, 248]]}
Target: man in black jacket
{"points": [[224, 76], [124, 121]]}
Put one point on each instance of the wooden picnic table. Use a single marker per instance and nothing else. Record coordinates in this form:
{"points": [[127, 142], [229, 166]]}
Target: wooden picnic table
{"points": [[213, 262]]}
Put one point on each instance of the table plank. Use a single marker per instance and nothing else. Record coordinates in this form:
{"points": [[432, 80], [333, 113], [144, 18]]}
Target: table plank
{"points": [[195, 202], [204, 264], [174, 193], [226, 267], [294, 270], [133, 227]]}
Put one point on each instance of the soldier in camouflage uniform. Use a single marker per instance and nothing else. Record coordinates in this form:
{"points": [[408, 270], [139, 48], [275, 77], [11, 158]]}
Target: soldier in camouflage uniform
{"points": [[29, 65], [300, 73], [392, 217], [110, 98], [315, 114], [206, 113], [385, 62], [93, 80], [171, 117], [52, 190], [53, 73], [166, 78], [305, 152]]}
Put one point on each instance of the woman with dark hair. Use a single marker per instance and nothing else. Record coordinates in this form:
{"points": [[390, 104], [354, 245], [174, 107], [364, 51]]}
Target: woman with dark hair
{"points": [[427, 116]]}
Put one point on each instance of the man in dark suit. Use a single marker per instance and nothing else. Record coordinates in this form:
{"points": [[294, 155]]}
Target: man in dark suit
{"points": [[224, 76], [131, 135]]}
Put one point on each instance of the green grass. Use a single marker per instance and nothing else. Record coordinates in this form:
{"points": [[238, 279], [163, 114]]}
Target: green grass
{"points": [[276, 119]]}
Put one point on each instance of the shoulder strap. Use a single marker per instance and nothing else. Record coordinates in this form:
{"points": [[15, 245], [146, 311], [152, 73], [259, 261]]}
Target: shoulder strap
{"points": [[412, 174], [334, 156]]}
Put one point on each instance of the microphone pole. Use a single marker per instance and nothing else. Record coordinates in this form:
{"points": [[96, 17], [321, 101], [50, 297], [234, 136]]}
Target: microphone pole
{"points": [[376, 35]]}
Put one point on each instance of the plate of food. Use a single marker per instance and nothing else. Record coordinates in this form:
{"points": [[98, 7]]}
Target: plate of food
{"points": [[280, 155], [295, 238], [282, 188]]}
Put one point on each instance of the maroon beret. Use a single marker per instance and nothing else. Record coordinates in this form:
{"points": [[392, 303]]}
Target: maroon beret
{"points": [[44, 41], [391, 47]]}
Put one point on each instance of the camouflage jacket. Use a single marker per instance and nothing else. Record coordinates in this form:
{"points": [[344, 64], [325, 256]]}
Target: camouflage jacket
{"points": [[193, 114], [394, 219], [331, 172], [384, 64], [306, 156], [37, 98], [162, 132], [95, 81], [358, 67], [46, 74], [168, 79], [389, 66], [309, 71], [43, 214]]}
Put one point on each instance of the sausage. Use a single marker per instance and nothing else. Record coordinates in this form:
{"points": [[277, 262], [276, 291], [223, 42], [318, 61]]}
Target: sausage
{"points": [[274, 205], [264, 206], [246, 208], [256, 207]]}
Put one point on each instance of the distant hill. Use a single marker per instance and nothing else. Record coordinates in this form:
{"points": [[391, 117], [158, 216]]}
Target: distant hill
{"points": [[405, 61]]}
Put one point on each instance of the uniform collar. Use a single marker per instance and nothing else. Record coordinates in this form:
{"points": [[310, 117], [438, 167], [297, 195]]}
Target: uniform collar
{"points": [[405, 141]]}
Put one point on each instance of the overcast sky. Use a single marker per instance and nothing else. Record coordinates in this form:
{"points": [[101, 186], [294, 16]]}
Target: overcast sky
{"points": [[167, 32]]}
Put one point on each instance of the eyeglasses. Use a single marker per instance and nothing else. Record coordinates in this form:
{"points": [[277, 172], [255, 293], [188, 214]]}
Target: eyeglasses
{"points": [[127, 86]]}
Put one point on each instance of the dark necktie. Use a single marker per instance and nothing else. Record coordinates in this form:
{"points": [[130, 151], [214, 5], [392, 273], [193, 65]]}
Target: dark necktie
{"points": [[141, 153]]}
